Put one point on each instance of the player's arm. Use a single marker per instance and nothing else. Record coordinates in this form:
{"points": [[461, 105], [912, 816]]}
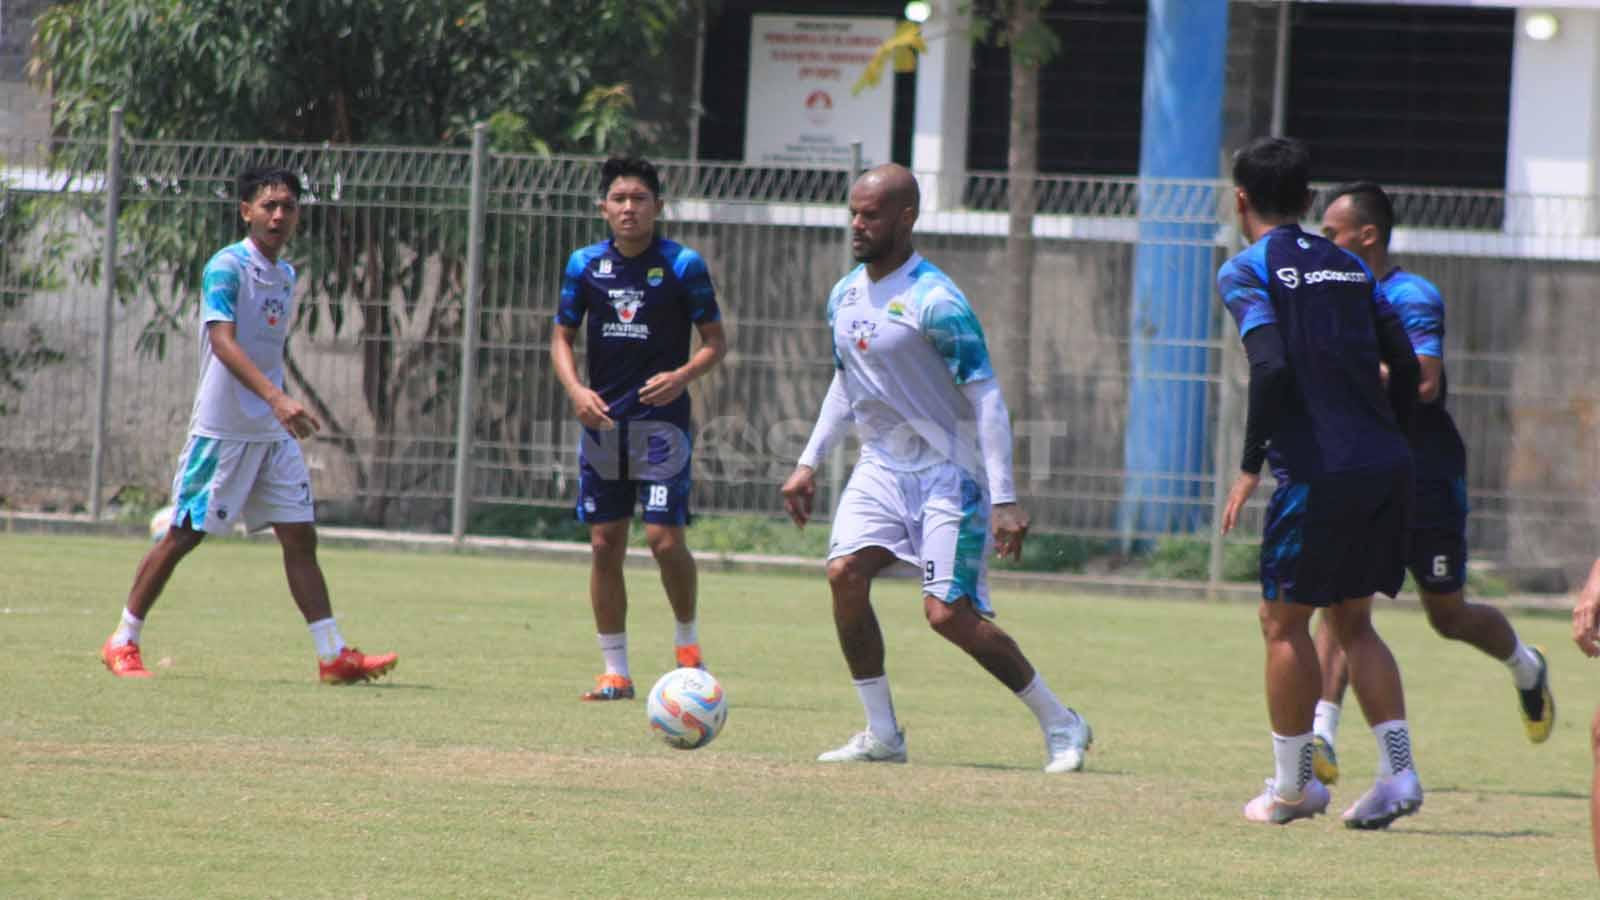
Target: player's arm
{"points": [[1586, 614], [295, 418], [1242, 283], [587, 405], [1396, 351], [994, 443], [800, 488], [1431, 376], [664, 387], [1421, 313]]}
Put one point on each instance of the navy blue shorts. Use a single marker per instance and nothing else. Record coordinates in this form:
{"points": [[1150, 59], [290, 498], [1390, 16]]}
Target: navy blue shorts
{"points": [[1337, 538], [1438, 556], [637, 463]]}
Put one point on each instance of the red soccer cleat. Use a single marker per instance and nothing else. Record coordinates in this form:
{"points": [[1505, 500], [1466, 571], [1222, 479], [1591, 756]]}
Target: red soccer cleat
{"points": [[352, 666], [123, 660], [689, 657], [611, 686]]}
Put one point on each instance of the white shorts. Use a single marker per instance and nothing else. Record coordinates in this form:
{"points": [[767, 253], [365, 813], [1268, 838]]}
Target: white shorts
{"points": [[221, 483], [936, 519]]}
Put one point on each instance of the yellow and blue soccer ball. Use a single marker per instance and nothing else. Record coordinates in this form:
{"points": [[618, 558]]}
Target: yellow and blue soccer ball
{"points": [[687, 708]]}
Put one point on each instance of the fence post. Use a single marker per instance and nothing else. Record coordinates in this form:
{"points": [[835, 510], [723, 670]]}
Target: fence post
{"points": [[836, 458], [108, 298], [469, 334]]}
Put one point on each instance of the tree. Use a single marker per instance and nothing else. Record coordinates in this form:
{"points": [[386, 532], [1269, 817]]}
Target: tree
{"points": [[389, 72]]}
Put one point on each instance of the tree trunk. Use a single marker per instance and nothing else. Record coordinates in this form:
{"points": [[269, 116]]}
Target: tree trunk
{"points": [[1022, 166]]}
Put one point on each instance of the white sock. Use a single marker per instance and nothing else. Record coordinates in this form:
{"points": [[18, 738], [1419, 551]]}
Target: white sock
{"points": [[1524, 666], [875, 699], [1326, 725], [1394, 747], [325, 632], [1050, 712], [1291, 757], [128, 631], [686, 633], [614, 647]]}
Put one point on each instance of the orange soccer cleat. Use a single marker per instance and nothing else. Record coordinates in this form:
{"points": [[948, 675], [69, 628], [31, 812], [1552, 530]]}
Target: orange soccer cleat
{"points": [[611, 686], [689, 656], [352, 666], [123, 660]]}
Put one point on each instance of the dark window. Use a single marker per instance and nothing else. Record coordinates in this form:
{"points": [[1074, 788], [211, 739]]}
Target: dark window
{"points": [[1089, 95], [1403, 95]]}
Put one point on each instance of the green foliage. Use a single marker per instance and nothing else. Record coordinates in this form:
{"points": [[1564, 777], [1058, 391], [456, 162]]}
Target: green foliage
{"points": [[31, 258], [1016, 24], [1189, 559]]}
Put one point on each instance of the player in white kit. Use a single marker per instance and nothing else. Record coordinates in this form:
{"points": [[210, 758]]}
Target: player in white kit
{"points": [[913, 376], [242, 462]]}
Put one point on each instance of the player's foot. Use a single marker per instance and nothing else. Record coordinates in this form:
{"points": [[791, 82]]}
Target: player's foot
{"points": [[1324, 762], [1269, 807], [1390, 798], [865, 747], [688, 656], [123, 660], [611, 686], [352, 666], [1066, 746], [1538, 704]]}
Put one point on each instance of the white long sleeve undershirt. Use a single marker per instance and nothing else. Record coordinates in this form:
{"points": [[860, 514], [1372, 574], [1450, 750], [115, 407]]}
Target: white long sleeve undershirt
{"points": [[994, 437], [831, 423]]}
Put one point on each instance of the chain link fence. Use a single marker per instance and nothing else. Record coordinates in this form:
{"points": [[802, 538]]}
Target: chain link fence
{"points": [[1119, 344]]}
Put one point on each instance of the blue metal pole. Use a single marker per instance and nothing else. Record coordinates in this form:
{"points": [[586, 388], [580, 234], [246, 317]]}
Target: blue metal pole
{"points": [[1165, 455]]}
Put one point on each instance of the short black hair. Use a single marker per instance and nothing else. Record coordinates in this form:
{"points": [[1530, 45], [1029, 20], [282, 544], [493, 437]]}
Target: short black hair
{"points": [[1371, 204], [629, 167], [1276, 174], [253, 179]]}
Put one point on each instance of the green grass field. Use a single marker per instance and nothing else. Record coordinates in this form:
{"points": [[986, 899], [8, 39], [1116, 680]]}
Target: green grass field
{"points": [[473, 771]]}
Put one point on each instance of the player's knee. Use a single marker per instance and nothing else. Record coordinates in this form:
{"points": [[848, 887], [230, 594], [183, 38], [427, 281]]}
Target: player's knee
{"points": [[609, 545], [297, 540], [664, 542], [183, 539], [847, 574], [1447, 620]]}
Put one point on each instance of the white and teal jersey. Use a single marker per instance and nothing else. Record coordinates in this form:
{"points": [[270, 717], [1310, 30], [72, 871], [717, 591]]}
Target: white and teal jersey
{"points": [[242, 286], [906, 344]]}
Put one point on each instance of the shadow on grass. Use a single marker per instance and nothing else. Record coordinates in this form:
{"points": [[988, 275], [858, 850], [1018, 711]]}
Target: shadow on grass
{"points": [[1501, 792], [1454, 833]]}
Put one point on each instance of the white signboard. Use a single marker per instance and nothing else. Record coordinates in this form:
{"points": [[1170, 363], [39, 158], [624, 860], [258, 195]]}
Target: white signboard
{"points": [[801, 111]]}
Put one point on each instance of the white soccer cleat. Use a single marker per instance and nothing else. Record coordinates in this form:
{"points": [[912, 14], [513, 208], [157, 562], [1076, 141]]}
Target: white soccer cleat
{"points": [[1270, 808], [1066, 746], [865, 747], [1390, 798]]}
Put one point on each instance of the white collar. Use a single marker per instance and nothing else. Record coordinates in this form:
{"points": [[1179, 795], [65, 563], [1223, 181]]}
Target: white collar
{"points": [[905, 269]]}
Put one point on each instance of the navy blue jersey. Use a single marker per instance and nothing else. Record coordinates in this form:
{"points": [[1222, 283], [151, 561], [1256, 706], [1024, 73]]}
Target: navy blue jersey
{"points": [[1326, 305], [1435, 442], [640, 312]]}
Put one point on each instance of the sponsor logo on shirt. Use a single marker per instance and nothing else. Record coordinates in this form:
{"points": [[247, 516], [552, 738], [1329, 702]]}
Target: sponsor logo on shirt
{"points": [[655, 276], [626, 301], [1292, 278], [603, 270], [273, 309], [850, 296]]}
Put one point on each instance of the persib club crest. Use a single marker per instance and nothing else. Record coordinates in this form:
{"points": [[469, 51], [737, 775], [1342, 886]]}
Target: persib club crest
{"points": [[273, 309], [626, 303], [655, 276], [862, 331]]}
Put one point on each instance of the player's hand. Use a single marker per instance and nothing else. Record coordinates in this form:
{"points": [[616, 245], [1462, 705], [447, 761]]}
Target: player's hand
{"points": [[1586, 620], [1010, 527], [591, 410], [295, 418], [1243, 487], [799, 491], [663, 388]]}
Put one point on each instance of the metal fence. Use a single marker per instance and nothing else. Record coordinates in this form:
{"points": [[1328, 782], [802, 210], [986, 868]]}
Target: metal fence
{"points": [[396, 309]]}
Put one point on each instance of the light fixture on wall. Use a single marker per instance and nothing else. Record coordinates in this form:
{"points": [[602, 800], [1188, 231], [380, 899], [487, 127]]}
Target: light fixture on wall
{"points": [[918, 11], [1541, 26]]}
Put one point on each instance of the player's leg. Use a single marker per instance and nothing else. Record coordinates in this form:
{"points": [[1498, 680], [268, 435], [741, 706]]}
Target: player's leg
{"points": [[205, 467], [869, 534], [1376, 562], [1293, 679], [1438, 562], [666, 513], [606, 506], [1325, 725], [280, 496]]}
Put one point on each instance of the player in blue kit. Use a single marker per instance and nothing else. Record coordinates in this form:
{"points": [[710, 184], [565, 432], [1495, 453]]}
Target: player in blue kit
{"points": [[242, 462], [1315, 327], [1360, 220], [642, 296]]}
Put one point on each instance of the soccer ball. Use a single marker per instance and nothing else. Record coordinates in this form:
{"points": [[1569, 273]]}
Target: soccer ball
{"points": [[160, 522], [687, 708]]}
